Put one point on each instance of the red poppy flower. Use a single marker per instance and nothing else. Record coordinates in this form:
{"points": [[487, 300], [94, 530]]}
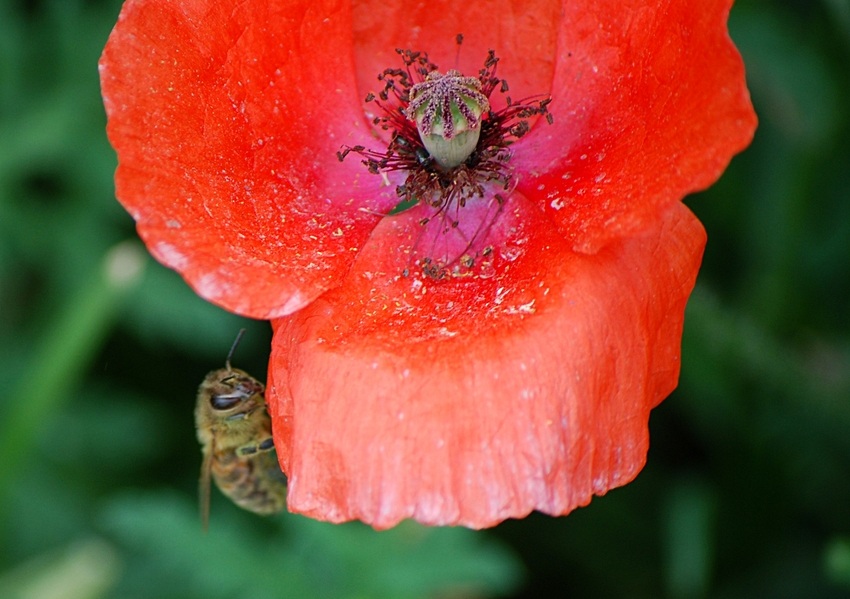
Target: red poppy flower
{"points": [[521, 383]]}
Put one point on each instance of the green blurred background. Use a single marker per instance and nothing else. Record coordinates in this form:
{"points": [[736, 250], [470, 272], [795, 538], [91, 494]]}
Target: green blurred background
{"points": [[747, 488]]}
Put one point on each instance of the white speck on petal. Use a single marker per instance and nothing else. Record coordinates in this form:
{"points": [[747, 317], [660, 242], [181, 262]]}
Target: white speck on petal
{"points": [[170, 255], [210, 286]]}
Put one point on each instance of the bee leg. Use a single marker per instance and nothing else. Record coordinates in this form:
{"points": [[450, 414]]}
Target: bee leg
{"points": [[252, 448]]}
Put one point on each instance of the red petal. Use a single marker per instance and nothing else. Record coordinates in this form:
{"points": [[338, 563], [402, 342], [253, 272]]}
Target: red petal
{"points": [[650, 103], [523, 34], [474, 400], [649, 99], [226, 116]]}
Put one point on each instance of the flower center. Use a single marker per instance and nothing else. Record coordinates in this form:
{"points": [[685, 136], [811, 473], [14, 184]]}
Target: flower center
{"points": [[447, 111], [454, 149]]}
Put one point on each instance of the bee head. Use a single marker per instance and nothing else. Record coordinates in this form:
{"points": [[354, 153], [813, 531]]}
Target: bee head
{"points": [[234, 394]]}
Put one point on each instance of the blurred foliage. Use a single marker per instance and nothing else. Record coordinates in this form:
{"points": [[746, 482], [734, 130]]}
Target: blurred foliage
{"points": [[747, 488]]}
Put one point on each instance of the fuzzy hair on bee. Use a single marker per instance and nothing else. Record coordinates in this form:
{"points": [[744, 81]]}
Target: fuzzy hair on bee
{"points": [[234, 430]]}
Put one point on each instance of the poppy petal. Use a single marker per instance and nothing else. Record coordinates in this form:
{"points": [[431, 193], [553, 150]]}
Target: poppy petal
{"points": [[523, 35], [470, 401], [226, 116], [650, 104]]}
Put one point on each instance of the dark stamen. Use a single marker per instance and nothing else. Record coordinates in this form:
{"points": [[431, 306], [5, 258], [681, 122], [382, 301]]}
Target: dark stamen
{"points": [[447, 189]]}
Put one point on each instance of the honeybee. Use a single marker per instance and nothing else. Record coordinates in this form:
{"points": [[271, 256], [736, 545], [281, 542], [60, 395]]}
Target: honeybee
{"points": [[234, 430]]}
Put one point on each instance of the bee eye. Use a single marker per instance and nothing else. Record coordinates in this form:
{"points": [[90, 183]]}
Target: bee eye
{"points": [[225, 402]]}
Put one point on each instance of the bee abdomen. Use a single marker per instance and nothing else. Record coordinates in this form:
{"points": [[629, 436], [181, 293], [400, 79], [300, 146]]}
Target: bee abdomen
{"points": [[255, 483]]}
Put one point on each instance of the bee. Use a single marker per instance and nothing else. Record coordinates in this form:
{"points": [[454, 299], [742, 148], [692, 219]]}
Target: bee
{"points": [[235, 433]]}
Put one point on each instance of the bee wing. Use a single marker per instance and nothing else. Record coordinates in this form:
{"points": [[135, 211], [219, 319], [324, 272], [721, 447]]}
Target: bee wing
{"points": [[204, 486]]}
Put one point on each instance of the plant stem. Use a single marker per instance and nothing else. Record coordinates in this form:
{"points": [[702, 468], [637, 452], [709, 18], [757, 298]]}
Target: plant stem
{"points": [[62, 356]]}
